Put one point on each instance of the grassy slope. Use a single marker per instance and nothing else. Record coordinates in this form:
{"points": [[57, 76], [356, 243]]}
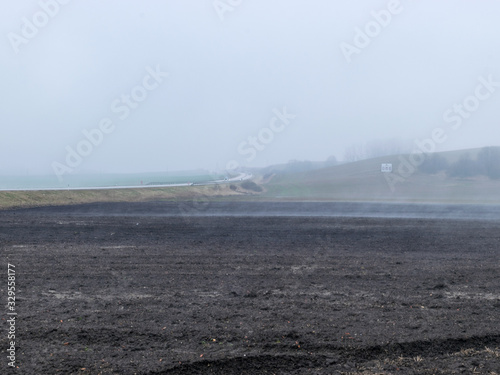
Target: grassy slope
{"points": [[361, 181], [17, 199]]}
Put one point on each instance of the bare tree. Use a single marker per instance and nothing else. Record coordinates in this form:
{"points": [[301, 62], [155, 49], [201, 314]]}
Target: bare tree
{"points": [[355, 152]]}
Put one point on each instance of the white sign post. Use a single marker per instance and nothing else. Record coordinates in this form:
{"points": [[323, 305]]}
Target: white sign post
{"points": [[386, 168]]}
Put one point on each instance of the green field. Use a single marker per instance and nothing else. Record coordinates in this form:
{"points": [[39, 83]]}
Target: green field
{"points": [[363, 181], [20, 199]]}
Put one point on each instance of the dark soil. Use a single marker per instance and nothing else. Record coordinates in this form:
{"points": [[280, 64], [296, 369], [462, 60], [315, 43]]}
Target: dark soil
{"points": [[111, 289]]}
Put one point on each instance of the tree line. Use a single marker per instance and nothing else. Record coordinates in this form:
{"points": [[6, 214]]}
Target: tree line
{"points": [[486, 163]]}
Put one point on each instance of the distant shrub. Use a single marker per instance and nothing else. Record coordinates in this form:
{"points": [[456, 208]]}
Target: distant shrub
{"points": [[489, 161], [250, 185], [487, 164], [433, 164], [267, 175], [332, 160], [465, 167], [233, 187]]}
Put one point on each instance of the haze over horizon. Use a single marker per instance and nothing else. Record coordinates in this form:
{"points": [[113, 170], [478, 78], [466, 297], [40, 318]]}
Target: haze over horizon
{"points": [[126, 86]]}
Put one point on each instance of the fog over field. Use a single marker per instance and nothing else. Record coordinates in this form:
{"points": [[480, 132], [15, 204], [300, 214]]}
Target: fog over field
{"points": [[481, 213], [250, 187], [153, 86]]}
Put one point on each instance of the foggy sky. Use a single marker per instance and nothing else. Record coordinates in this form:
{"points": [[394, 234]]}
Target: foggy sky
{"points": [[228, 75]]}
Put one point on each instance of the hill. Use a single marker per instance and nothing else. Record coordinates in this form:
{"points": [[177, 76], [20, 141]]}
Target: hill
{"points": [[364, 181], [357, 181]]}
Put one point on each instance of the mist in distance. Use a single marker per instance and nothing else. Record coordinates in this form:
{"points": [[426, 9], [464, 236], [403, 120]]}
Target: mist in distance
{"points": [[128, 86]]}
